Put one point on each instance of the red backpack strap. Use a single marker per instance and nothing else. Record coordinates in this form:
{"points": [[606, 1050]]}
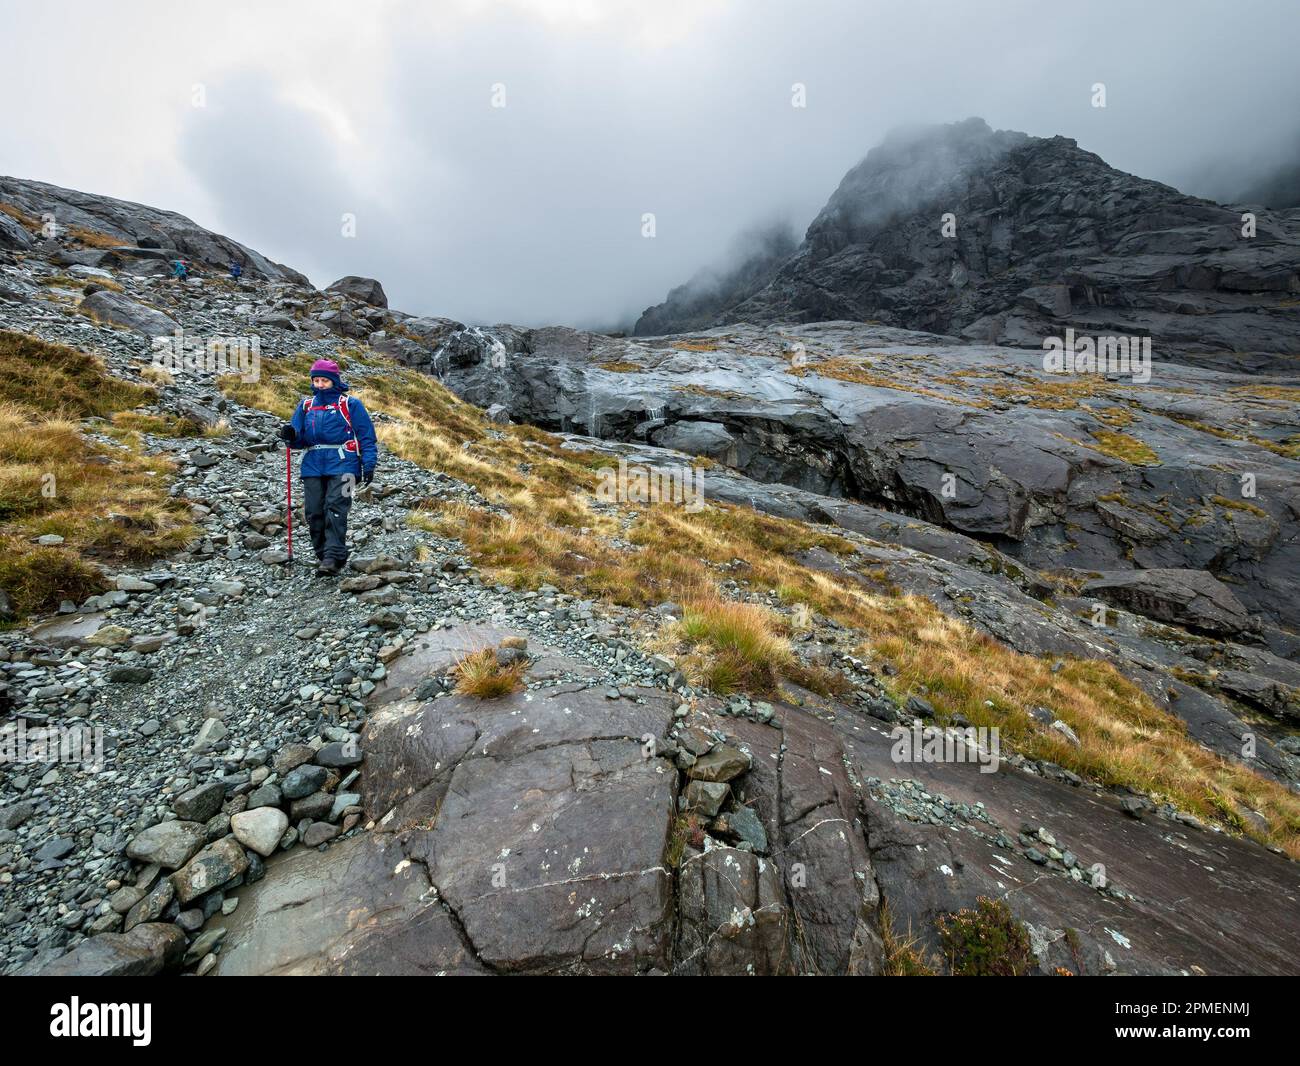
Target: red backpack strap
{"points": [[347, 417]]}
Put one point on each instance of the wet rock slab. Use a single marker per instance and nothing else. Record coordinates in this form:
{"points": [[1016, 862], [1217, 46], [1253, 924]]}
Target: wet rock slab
{"points": [[1196, 901], [360, 907], [545, 823]]}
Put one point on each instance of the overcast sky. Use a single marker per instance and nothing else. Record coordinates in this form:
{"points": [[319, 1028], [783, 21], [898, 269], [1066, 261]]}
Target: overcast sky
{"points": [[532, 212]]}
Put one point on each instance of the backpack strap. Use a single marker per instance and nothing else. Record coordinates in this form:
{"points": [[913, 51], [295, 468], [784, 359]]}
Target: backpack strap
{"points": [[347, 417]]}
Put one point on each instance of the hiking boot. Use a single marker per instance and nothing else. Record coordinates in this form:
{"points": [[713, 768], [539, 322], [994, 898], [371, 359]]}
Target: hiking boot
{"points": [[327, 568]]}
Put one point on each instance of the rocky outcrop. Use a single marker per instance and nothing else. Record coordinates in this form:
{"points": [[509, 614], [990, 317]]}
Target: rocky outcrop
{"points": [[1042, 236], [13, 235], [1191, 470], [545, 823], [145, 232], [559, 830], [1191, 598], [543, 836], [1100, 891]]}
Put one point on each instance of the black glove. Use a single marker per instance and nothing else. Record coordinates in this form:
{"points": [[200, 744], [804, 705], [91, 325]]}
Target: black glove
{"points": [[367, 476], [287, 433]]}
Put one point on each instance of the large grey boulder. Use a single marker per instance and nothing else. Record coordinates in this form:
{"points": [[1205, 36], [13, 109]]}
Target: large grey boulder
{"points": [[14, 235], [260, 828], [545, 822], [363, 290], [170, 844], [146, 950], [210, 868], [118, 310], [709, 439]]}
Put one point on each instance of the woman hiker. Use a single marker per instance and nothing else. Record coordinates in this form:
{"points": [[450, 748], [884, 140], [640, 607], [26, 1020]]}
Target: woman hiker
{"points": [[339, 439]]}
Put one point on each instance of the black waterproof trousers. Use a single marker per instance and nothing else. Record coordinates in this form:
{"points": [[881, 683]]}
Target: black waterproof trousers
{"points": [[327, 501]]}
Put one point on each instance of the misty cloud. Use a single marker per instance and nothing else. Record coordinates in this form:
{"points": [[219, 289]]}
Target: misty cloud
{"points": [[532, 212]]}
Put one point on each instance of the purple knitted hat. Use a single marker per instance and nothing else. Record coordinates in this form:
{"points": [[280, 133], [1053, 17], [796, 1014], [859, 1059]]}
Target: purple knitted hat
{"points": [[327, 368]]}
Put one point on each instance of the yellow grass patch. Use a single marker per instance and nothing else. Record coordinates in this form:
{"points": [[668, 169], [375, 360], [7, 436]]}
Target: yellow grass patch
{"points": [[109, 503], [481, 675], [1121, 446]]}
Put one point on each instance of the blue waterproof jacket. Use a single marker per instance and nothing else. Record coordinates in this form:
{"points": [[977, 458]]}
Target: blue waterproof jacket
{"points": [[318, 421]]}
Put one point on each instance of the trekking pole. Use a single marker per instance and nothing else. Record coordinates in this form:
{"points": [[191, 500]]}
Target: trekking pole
{"points": [[288, 494]]}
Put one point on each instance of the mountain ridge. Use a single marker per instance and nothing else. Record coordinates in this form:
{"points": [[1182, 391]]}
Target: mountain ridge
{"points": [[1043, 235]]}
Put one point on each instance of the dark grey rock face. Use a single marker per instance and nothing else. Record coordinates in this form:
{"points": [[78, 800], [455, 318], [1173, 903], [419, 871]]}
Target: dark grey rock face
{"points": [[1043, 236], [925, 869], [13, 235], [1188, 597]]}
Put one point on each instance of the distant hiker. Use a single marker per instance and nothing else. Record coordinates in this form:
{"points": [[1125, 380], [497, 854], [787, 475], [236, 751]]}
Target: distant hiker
{"points": [[339, 439], [235, 271], [179, 270]]}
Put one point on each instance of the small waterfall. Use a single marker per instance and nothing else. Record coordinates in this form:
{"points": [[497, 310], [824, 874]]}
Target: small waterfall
{"points": [[654, 414], [593, 408], [593, 416], [440, 363]]}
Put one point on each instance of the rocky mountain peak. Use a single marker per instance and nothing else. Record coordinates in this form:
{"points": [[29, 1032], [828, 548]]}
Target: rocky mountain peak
{"points": [[914, 167], [998, 236]]}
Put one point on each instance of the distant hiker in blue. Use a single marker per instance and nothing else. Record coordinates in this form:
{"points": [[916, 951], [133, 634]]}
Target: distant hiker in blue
{"points": [[178, 269], [339, 439], [235, 271]]}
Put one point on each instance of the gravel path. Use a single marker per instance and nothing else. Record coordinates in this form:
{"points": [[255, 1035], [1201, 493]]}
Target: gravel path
{"points": [[201, 667]]}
